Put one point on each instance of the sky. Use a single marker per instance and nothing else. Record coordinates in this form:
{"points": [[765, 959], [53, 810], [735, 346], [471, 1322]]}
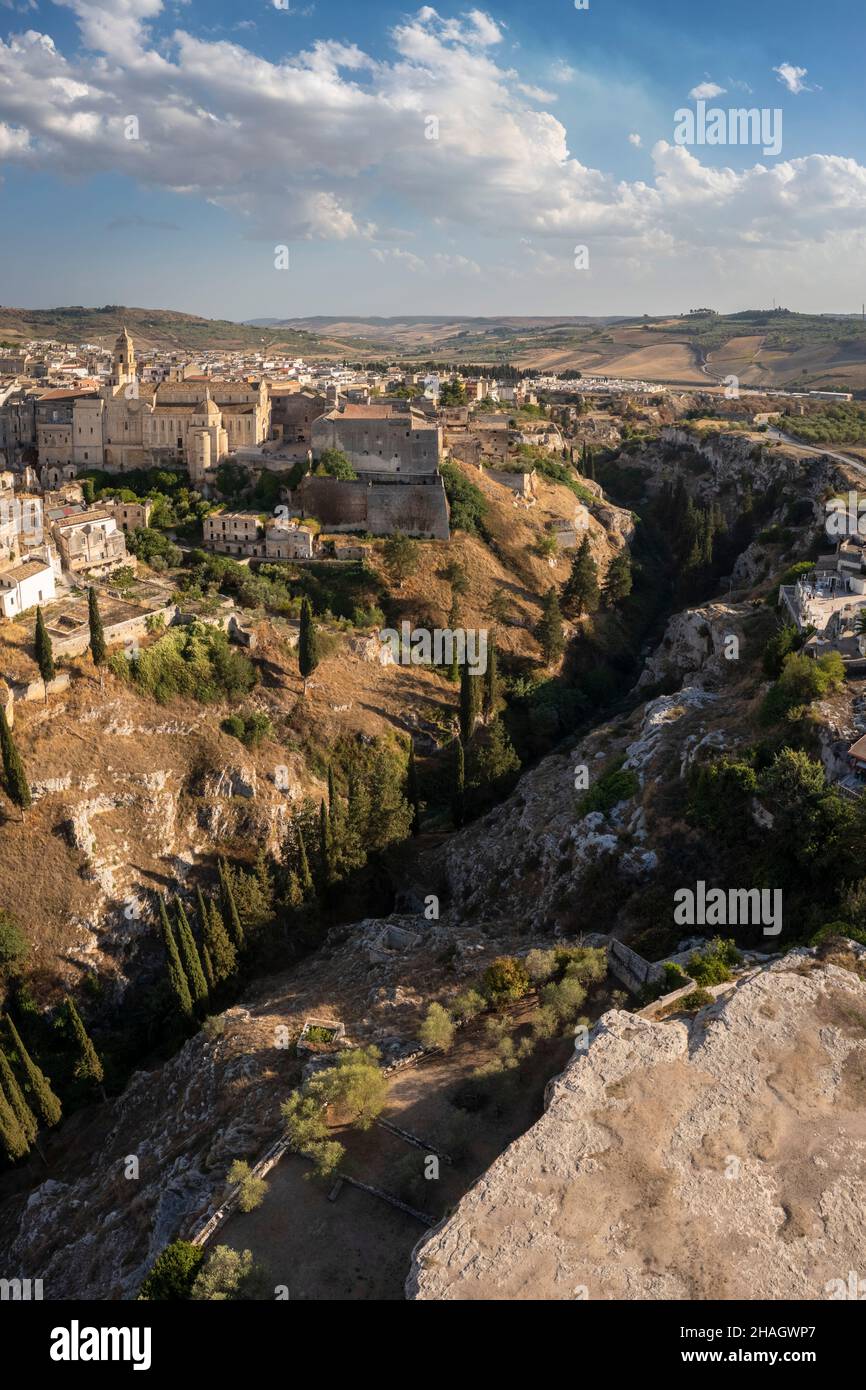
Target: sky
{"points": [[286, 158]]}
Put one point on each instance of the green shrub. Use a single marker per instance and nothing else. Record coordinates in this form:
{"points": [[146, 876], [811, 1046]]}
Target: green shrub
{"points": [[614, 785], [13, 943], [698, 999], [504, 980], [197, 662], [674, 977], [467, 503], [712, 964], [437, 1029], [468, 1004], [540, 965], [842, 929], [252, 1189], [564, 999], [173, 1272], [802, 681], [251, 729]]}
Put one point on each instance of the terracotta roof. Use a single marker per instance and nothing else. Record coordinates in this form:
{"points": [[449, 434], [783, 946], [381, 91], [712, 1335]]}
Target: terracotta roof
{"points": [[64, 395], [24, 571], [367, 412], [81, 517]]}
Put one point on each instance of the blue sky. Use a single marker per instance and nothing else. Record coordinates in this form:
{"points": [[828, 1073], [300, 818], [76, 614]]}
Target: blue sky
{"points": [[310, 127]]}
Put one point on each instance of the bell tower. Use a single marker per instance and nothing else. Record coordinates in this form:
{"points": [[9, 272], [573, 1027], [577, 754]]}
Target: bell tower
{"points": [[123, 366]]}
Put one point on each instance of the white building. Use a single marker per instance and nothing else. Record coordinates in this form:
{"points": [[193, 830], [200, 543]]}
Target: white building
{"points": [[25, 585]]}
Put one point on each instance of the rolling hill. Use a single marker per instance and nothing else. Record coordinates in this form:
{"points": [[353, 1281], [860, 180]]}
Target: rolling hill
{"points": [[773, 347], [156, 328]]}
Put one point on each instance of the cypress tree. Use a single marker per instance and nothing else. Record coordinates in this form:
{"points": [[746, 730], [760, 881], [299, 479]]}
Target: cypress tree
{"points": [[618, 583], [491, 683], [14, 776], [190, 956], [45, 1105], [201, 912], [207, 967], [44, 650], [548, 629], [468, 703], [12, 1137], [23, 1114], [308, 656], [453, 672], [218, 947], [325, 865], [412, 793], [458, 800], [580, 591], [88, 1067], [334, 811], [97, 635], [305, 878], [236, 931], [176, 977]]}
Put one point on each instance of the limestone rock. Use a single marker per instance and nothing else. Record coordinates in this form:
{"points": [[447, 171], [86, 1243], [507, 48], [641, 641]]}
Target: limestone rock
{"points": [[719, 1157]]}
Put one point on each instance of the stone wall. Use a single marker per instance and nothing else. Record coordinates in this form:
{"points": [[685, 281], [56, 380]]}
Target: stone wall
{"points": [[631, 969], [521, 483], [418, 509], [127, 631], [339, 506]]}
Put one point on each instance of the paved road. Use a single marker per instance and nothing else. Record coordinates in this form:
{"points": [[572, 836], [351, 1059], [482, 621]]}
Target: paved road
{"points": [[812, 449]]}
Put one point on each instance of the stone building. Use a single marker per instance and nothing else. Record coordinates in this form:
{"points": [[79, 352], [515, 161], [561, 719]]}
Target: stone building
{"points": [[26, 584], [21, 524], [194, 423], [484, 440], [289, 542], [90, 544], [55, 425], [381, 505], [293, 414], [233, 533], [380, 438], [17, 424], [244, 534], [132, 516]]}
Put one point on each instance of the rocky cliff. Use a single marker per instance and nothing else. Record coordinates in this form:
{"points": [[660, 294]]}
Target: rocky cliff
{"points": [[718, 1156]]}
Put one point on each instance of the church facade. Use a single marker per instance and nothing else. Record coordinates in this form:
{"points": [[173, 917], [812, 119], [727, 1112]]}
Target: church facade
{"points": [[193, 423]]}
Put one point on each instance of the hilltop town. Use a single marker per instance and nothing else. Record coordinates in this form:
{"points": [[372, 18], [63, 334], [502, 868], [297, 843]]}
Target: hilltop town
{"points": [[360, 725]]}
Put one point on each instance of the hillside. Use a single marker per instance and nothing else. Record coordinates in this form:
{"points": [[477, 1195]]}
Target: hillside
{"points": [[128, 792], [151, 328], [762, 348], [134, 796]]}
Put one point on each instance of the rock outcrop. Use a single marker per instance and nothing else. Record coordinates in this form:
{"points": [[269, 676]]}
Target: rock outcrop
{"points": [[696, 646], [717, 1156]]}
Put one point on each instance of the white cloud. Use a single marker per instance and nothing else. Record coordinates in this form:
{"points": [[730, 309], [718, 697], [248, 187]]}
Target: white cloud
{"points": [[439, 263], [407, 258], [561, 71], [792, 77], [536, 93], [635, 139], [315, 144], [115, 27], [705, 91]]}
